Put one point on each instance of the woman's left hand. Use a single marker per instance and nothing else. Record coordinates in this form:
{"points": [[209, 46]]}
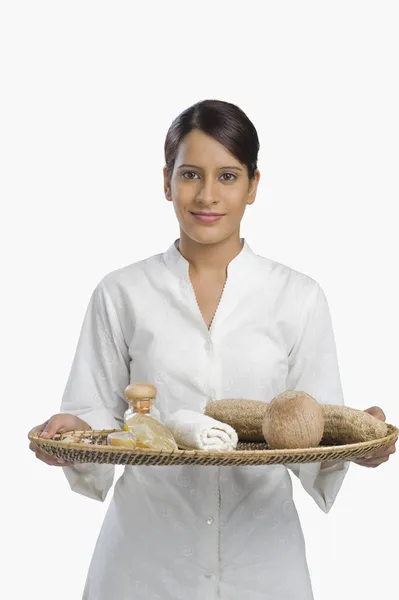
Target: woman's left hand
{"points": [[382, 454]]}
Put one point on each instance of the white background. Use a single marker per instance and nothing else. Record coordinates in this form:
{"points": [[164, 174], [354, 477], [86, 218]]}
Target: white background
{"points": [[89, 90]]}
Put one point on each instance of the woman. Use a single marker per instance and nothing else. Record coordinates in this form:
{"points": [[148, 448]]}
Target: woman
{"points": [[206, 319]]}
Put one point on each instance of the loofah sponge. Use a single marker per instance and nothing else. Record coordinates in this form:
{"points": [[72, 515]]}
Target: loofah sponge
{"points": [[245, 416], [342, 424], [345, 425]]}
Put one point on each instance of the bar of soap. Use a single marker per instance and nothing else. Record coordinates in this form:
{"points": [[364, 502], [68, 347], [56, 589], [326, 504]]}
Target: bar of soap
{"points": [[122, 438]]}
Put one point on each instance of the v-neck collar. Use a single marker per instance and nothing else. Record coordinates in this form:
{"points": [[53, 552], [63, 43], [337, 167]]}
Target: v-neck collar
{"points": [[241, 272], [241, 264]]}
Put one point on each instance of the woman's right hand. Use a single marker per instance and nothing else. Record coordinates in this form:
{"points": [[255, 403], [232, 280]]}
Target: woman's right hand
{"points": [[59, 423]]}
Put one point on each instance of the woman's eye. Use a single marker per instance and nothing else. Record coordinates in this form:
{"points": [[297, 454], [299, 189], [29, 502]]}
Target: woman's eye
{"points": [[230, 175], [188, 173]]}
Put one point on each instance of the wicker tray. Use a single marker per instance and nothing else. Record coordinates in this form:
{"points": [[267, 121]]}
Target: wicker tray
{"points": [[246, 454]]}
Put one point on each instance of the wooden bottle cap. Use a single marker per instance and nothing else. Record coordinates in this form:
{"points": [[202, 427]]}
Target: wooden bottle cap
{"points": [[139, 391]]}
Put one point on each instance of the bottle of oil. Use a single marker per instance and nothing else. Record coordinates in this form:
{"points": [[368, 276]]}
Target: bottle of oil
{"points": [[142, 419]]}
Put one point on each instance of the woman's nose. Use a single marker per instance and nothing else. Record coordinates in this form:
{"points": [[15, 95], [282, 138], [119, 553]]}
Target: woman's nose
{"points": [[207, 193]]}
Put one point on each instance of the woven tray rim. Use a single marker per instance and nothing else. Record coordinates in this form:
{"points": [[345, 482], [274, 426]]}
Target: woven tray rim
{"points": [[393, 433]]}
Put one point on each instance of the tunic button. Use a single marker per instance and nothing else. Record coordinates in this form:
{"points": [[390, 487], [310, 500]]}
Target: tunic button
{"points": [[208, 346], [210, 520]]}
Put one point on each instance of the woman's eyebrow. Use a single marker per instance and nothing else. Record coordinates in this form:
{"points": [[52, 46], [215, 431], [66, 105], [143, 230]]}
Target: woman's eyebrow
{"points": [[220, 168]]}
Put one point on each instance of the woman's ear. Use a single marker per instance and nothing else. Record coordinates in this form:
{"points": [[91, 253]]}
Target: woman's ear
{"points": [[253, 186], [166, 185]]}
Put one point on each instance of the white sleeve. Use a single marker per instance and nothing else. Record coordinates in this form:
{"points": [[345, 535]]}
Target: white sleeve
{"points": [[313, 368], [94, 392]]}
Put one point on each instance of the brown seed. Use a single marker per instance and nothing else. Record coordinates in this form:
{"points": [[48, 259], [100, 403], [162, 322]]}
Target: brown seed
{"points": [[293, 420]]}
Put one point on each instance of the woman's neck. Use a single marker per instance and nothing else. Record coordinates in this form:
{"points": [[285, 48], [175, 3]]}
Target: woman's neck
{"points": [[209, 259]]}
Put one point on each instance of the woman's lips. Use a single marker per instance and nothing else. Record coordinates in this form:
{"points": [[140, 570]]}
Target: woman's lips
{"points": [[208, 218]]}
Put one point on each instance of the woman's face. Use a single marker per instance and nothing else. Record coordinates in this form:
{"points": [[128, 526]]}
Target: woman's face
{"points": [[207, 178]]}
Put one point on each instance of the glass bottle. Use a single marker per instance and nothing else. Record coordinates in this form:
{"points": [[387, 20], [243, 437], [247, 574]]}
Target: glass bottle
{"points": [[142, 419]]}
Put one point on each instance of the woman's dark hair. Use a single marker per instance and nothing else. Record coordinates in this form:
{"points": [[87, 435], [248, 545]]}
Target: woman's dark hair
{"points": [[223, 121]]}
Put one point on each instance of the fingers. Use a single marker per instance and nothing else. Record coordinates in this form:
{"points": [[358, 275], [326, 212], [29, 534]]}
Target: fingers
{"points": [[386, 450], [52, 426], [382, 455], [372, 462], [48, 428], [32, 445], [51, 460], [376, 412], [38, 427]]}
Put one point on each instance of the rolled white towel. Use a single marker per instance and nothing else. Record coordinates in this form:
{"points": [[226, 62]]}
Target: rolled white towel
{"points": [[195, 430]]}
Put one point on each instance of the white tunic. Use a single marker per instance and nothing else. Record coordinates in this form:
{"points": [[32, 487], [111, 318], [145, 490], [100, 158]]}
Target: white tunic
{"points": [[202, 532]]}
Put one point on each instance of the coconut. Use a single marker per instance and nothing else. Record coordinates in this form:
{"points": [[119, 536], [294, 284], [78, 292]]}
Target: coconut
{"points": [[293, 419]]}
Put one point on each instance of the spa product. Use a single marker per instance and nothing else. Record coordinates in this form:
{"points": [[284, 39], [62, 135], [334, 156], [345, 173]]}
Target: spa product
{"points": [[342, 424], [245, 416], [293, 420], [345, 425], [125, 439], [141, 421]]}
